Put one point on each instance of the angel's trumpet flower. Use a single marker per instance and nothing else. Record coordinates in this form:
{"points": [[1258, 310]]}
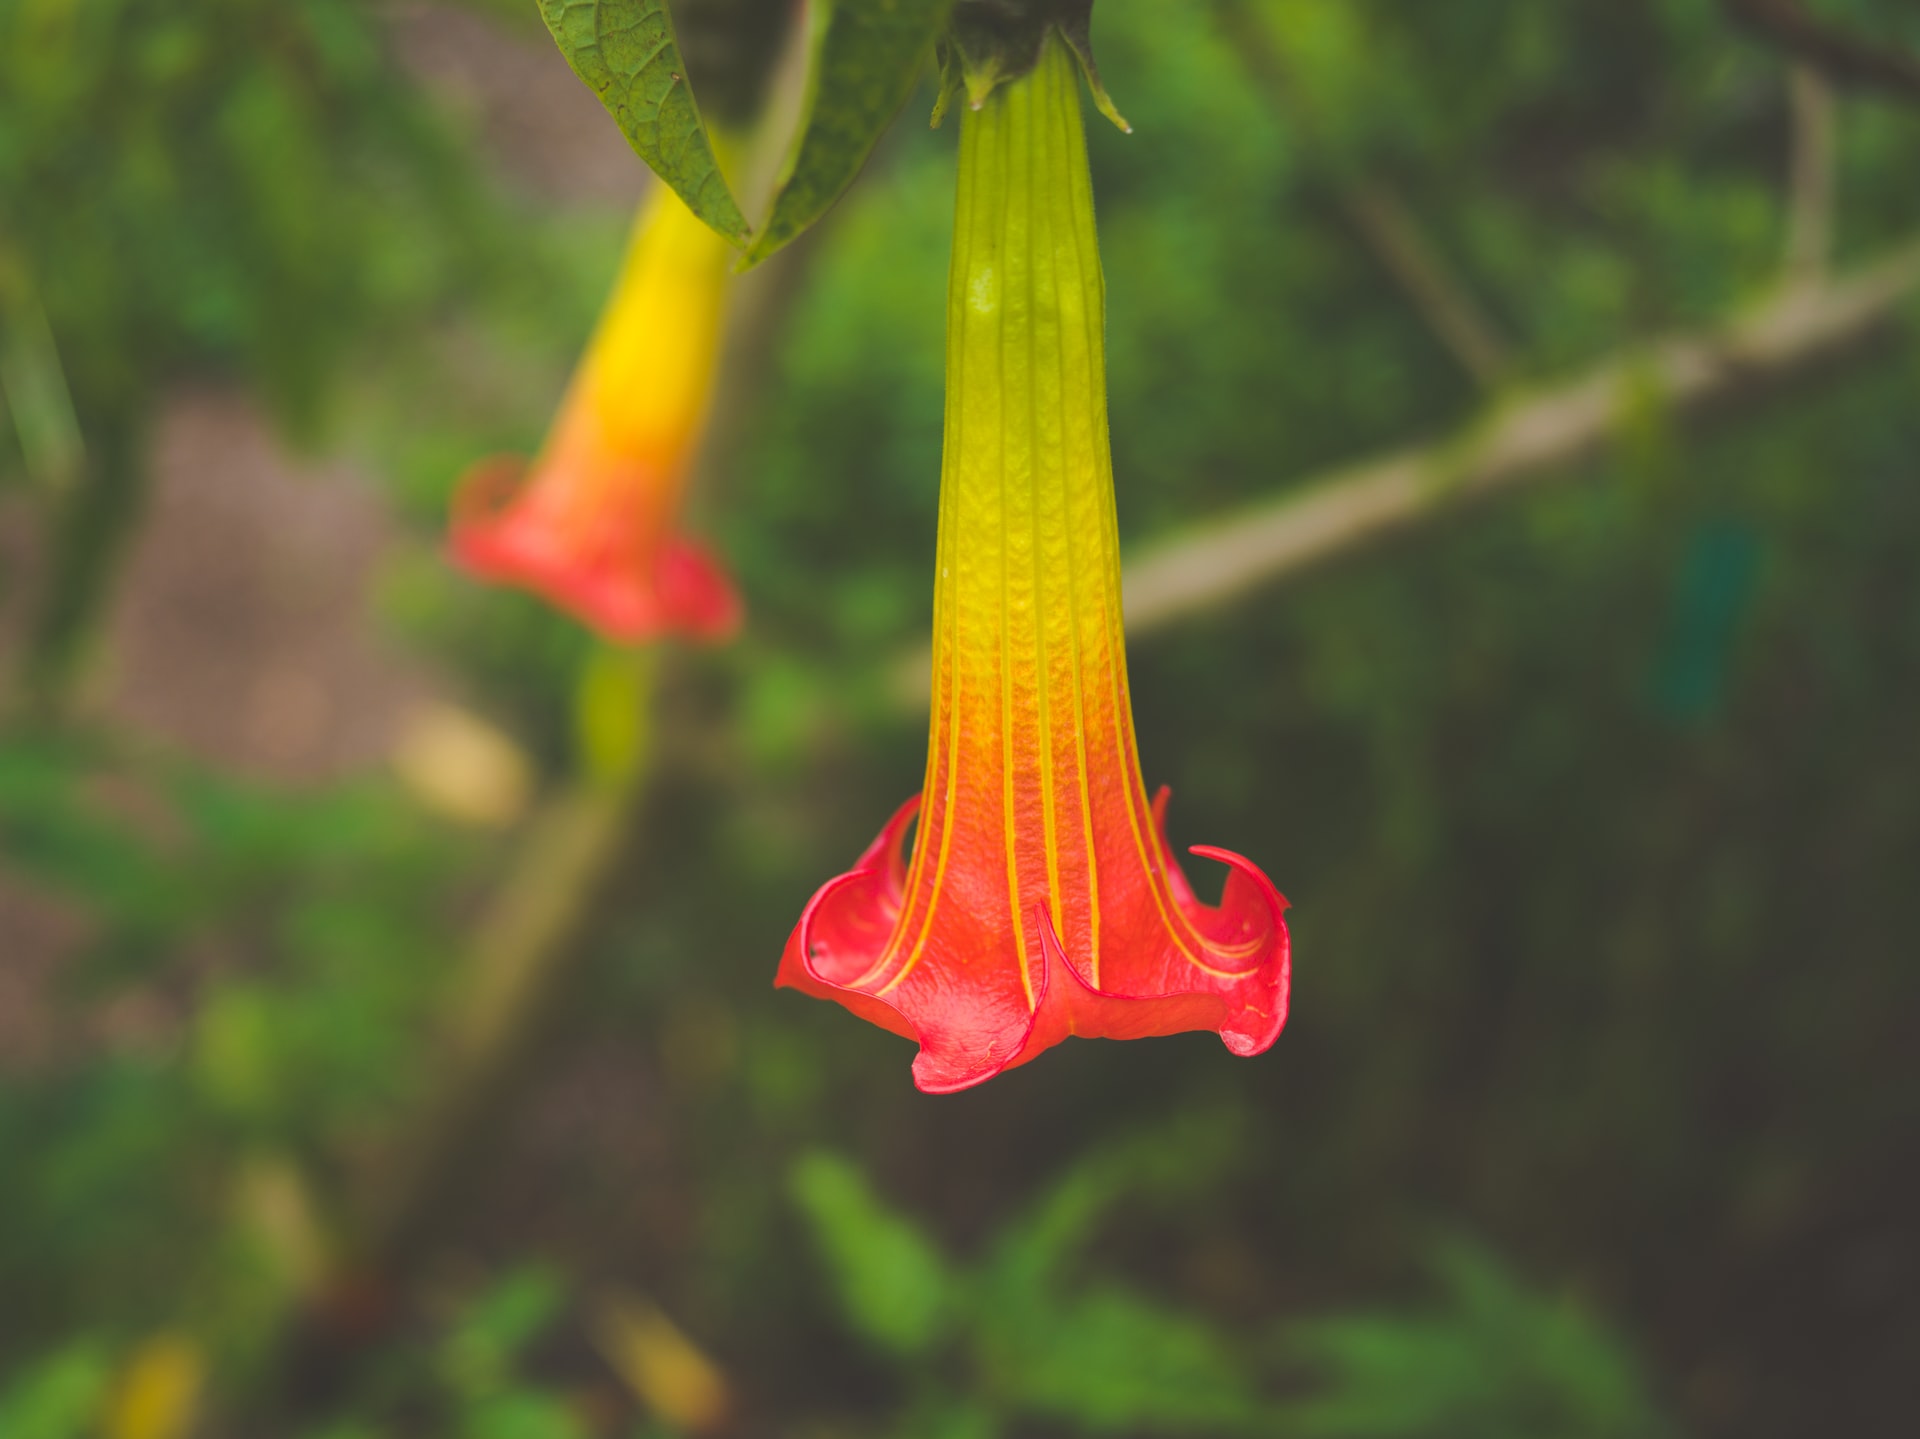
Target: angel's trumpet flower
{"points": [[1041, 899], [592, 526]]}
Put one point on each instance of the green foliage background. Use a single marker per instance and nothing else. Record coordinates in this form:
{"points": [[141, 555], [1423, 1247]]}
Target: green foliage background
{"points": [[1598, 805]]}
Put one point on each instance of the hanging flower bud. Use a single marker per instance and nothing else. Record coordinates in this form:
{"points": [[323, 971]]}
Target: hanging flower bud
{"points": [[1041, 899], [592, 527]]}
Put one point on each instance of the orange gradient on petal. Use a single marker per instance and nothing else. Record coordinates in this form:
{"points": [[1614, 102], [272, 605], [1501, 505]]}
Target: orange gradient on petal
{"points": [[592, 524]]}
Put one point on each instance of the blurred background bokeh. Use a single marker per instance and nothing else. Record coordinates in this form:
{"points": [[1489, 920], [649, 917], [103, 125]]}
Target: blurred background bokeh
{"points": [[365, 1071]]}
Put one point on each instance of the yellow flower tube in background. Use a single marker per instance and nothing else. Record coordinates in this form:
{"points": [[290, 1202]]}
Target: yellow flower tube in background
{"points": [[593, 525]]}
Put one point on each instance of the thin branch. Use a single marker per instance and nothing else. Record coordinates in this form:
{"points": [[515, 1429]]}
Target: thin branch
{"points": [[1530, 437], [1382, 221], [1843, 56], [1403, 249], [1810, 179]]}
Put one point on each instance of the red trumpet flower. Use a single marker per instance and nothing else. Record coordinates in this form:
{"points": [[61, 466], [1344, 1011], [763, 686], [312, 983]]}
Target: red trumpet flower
{"points": [[592, 526], [1041, 899]]}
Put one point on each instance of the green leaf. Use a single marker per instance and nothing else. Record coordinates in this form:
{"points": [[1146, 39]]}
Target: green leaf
{"points": [[867, 56], [1111, 1360], [478, 1356], [626, 52], [34, 386], [1497, 1361], [58, 1398], [893, 1283], [1169, 1162], [523, 1414]]}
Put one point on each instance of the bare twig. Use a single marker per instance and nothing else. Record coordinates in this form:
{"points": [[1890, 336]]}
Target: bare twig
{"points": [[1529, 437], [1810, 179], [1843, 56], [1382, 221], [1403, 250]]}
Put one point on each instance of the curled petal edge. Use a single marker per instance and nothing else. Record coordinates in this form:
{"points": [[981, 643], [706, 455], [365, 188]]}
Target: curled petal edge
{"points": [[1065, 1003], [881, 863]]}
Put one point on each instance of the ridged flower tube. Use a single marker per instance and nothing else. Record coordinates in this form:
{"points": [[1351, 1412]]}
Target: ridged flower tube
{"points": [[592, 525], [1041, 899]]}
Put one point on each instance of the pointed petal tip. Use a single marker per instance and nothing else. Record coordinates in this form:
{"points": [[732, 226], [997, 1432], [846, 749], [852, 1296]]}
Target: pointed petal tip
{"points": [[1106, 107], [845, 928], [697, 594], [1242, 868], [1251, 1046], [930, 1077]]}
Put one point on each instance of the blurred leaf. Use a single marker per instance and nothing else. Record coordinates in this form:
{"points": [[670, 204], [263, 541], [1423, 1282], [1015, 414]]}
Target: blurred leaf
{"points": [[626, 52], [893, 1283], [1102, 1356], [867, 56], [950, 1417], [58, 1398], [237, 1050], [54, 829], [477, 1357], [663, 1367], [1498, 1362], [1167, 1161], [522, 1415], [275, 1208], [1113, 1361], [33, 386]]}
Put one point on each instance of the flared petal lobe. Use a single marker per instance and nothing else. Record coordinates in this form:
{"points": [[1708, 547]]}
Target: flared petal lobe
{"points": [[591, 525], [1041, 899]]}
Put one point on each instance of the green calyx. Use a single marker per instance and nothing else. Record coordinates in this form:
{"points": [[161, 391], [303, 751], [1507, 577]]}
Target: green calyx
{"points": [[990, 42]]}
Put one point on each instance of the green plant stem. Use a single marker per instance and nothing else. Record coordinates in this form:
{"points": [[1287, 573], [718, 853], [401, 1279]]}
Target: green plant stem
{"points": [[527, 946], [91, 524]]}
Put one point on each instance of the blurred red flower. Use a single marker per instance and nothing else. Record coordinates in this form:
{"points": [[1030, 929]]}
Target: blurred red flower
{"points": [[591, 526]]}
